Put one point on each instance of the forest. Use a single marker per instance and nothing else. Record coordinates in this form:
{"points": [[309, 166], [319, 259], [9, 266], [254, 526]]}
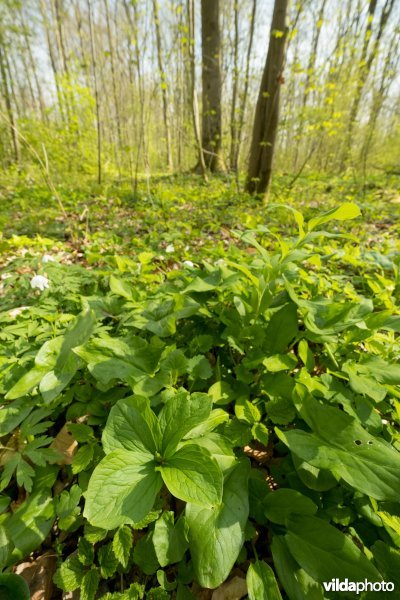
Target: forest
{"points": [[199, 299]]}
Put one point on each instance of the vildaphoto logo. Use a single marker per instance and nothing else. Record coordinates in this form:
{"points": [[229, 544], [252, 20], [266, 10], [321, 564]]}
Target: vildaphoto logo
{"points": [[336, 585]]}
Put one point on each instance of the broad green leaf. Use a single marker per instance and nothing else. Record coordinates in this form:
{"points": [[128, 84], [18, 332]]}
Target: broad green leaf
{"points": [[90, 583], [121, 288], [122, 544], [280, 362], [297, 583], [192, 475], [5, 547], [27, 382], [70, 574], [144, 554], [122, 489], [339, 444], [77, 334], [181, 414], [261, 582], [344, 212], [85, 552], [13, 414], [281, 330], [170, 539], [13, 587], [388, 561], [282, 503], [131, 425], [30, 524], [324, 551], [327, 317], [216, 535], [220, 448], [108, 562]]}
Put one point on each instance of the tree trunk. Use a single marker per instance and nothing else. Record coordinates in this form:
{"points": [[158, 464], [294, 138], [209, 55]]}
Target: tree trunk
{"points": [[211, 79], [243, 104], [96, 92], [9, 108], [365, 64], [267, 109], [193, 94], [164, 86]]}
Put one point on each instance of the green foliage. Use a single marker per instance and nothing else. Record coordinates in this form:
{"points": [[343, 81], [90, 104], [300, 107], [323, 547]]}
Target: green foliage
{"points": [[140, 404]]}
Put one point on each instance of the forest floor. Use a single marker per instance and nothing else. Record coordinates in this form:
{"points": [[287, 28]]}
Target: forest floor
{"points": [[194, 216], [163, 294]]}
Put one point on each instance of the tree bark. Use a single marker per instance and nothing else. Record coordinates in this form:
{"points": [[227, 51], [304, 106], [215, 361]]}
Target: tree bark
{"points": [[9, 108], [267, 109], [211, 80], [164, 86], [96, 92]]}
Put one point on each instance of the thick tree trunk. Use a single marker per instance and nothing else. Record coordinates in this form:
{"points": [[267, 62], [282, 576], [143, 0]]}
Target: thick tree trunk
{"points": [[267, 109], [211, 79]]}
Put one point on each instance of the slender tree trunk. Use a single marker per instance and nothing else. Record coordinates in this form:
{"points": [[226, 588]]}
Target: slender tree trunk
{"points": [[164, 86], [212, 86], [96, 92], [366, 60], [33, 68], [8, 103], [243, 104], [193, 94], [267, 109], [235, 85], [53, 61], [113, 78]]}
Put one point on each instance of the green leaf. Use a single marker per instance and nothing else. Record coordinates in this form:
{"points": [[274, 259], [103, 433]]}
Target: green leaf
{"points": [[282, 503], [13, 414], [5, 548], [144, 554], [192, 475], [122, 489], [297, 583], [89, 585], [170, 539], [261, 582], [247, 411], [30, 524], [280, 362], [180, 414], [324, 551], [27, 382], [132, 425], [69, 575], [216, 535], [281, 330], [339, 444], [122, 545], [82, 458], [121, 288], [346, 211], [77, 334], [85, 552], [13, 587], [108, 562]]}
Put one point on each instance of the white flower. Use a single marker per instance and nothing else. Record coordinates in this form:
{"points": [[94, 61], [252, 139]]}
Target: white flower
{"points": [[17, 311], [384, 421], [170, 248], [47, 258], [188, 263], [39, 282]]}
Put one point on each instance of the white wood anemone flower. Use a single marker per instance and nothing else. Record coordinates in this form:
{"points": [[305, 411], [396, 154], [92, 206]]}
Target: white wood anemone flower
{"points": [[39, 282]]}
